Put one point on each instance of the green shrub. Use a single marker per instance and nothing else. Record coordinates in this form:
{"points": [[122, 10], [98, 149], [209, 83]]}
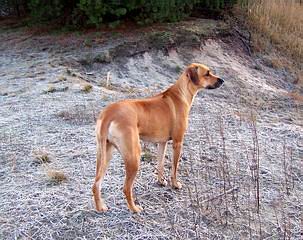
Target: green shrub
{"points": [[216, 4], [12, 7], [45, 10], [96, 12], [165, 11]]}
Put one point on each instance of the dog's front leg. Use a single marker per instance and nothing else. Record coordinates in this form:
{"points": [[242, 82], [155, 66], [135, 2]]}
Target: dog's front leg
{"points": [[161, 158], [177, 146]]}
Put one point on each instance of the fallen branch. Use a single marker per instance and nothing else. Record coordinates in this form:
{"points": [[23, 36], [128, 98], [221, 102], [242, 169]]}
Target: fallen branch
{"points": [[220, 195], [245, 40]]}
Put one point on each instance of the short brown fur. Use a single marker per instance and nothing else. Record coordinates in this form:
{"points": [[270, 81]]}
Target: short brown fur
{"points": [[157, 119]]}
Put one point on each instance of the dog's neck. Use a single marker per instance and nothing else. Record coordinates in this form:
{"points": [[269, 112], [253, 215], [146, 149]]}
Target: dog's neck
{"points": [[186, 89]]}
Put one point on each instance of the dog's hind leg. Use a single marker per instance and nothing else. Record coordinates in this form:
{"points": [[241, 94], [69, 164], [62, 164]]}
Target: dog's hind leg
{"points": [[131, 151], [161, 158], [102, 164]]}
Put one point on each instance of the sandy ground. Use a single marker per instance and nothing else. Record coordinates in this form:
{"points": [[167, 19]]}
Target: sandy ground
{"points": [[44, 108]]}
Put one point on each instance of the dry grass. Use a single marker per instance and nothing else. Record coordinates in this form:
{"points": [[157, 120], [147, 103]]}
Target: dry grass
{"points": [[219, 165], [87, 88], [147, 156], [56, 176], [299, 79], [62, 78], [78, 115], [276, 21], [277, 63], [50, 89], [41, 156], [296, 96]]}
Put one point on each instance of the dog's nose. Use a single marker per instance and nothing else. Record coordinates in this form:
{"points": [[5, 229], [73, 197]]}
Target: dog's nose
{"points": [[220, 81]]}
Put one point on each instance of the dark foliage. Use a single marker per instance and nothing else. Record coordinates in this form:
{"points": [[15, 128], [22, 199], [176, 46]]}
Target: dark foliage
{"points": [[96, 12]]}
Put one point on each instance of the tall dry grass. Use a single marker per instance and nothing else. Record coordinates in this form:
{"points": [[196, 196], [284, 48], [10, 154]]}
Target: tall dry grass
{"points": [[278, 22]]}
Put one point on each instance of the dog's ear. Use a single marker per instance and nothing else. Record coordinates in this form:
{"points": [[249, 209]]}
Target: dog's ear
{"points": [[192, 74]]}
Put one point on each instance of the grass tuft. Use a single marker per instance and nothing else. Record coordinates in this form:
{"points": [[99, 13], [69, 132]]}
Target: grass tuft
{"points": [[87, 88], [50, 89], [56, 176], [62, 78], [41, 156], [178, 69], [147, 155], [296, 96]]}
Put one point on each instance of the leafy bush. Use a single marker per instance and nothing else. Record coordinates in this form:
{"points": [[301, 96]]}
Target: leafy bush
{"points": [[96, 12], [9, 7], [160, 11], [217, 4], [45, 9]]}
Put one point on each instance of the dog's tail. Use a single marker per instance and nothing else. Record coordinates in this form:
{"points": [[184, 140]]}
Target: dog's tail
{"points": [[101, 138], [101, 163]]}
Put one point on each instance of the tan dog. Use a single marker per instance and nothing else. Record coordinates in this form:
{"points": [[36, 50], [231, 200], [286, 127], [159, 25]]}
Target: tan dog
{"points": [[157, 119]]}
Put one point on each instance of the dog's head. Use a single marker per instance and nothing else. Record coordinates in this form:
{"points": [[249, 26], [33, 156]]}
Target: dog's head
{"points": [[201, 77]]}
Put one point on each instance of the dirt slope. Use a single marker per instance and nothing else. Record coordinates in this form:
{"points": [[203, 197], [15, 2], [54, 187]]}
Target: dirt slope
{"points": [[46, 105]]}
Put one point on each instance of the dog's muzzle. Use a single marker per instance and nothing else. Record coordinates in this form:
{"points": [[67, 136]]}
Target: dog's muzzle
{"points": [[219, 82]]}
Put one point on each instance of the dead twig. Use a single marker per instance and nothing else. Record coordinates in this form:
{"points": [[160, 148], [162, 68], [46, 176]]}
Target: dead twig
{"points": [[231, 190]]}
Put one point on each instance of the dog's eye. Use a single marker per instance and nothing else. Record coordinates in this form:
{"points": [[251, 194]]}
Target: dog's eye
{"points": [[207, 73]]}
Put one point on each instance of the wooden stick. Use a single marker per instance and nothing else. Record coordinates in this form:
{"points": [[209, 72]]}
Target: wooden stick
{"points": [[220, 195], [107, 79]]}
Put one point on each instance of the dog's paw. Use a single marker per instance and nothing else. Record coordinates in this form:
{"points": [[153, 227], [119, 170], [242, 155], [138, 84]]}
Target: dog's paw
{"points": [[102, 208], [136, 209], [176, 185], [162, 182]]}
